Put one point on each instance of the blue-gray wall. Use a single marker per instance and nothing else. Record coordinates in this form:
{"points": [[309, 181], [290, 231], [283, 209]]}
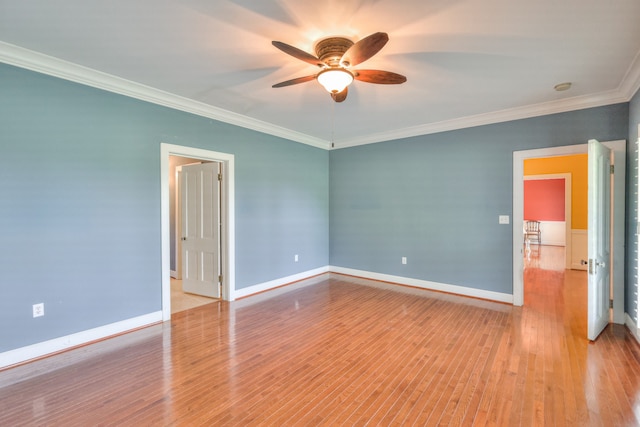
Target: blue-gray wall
{"points": [[80, 204], [436, 198], [80, 201], [631, 291]]}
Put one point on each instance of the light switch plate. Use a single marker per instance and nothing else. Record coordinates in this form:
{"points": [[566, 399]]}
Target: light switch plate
{"points": [[503, 219]]}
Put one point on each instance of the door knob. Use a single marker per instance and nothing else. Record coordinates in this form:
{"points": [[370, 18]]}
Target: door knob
{"points": [[184, 238]]}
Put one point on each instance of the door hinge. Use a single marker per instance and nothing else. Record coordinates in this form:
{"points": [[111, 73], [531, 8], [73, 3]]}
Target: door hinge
{"points": [[220, 278], [220, 176], [610, 303], [611, 169]]}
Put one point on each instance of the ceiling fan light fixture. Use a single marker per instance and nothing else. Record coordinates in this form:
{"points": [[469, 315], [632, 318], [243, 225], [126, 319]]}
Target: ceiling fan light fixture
{"points": [[335, 80]]}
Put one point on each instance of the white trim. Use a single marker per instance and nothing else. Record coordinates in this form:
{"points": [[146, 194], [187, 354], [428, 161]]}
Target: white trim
{"points": [[34, 61], [55, 345], [619, 148], [567, 209], [424, 284], [636, 250], [630, 83], [618, 221], [633, 328], [227, 217], [45, 64], [261, 287], [177, 223], [518, 113]]}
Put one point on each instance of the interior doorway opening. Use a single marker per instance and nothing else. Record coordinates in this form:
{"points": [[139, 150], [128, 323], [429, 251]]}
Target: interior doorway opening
{"points": [[617, 227], [227, 218], [558, 231], [183, 297]]}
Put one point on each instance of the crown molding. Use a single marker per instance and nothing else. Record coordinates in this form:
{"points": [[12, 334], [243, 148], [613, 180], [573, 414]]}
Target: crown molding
{"points": [[34, 61], [631, 82], [518, 113], [628, 87]]}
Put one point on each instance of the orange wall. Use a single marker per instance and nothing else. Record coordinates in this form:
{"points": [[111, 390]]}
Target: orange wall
{"points": [[576, 165]]}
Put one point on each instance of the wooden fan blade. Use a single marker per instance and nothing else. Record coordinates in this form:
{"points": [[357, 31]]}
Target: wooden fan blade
{"points": [[297, 53], [295, 81], [340, 96], [379, 77], [364, 49]]}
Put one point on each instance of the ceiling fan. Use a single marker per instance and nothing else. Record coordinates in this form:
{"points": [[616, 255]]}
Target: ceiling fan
{"points": [[335, 56]]}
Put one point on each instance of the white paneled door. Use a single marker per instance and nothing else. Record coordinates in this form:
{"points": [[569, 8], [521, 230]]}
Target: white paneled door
{"points": [[599, 237], [200, 192]]}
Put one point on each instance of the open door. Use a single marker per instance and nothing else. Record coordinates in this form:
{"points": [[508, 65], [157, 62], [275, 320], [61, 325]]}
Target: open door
{"points": [[200, 193], [599, 238]]}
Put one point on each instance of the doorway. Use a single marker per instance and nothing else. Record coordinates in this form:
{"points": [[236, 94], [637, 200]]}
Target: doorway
{"points": [[227, 215], [183, 296], [617, 230], [557, 229]]}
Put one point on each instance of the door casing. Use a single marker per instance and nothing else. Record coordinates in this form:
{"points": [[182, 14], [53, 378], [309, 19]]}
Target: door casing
{"points": [[227, 216]]}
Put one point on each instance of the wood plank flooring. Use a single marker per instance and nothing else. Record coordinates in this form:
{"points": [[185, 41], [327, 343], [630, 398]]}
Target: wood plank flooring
{"points": [[337, 350]]}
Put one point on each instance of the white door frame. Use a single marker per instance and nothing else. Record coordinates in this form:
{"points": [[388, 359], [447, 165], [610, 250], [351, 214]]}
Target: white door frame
{"points": [[227, 216], [619, 149]]}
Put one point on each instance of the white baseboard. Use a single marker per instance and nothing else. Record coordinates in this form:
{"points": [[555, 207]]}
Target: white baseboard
{"points": [[44, 348], [261, 287], [633, 328], [443, 287], [173, 273], [34, 351]]}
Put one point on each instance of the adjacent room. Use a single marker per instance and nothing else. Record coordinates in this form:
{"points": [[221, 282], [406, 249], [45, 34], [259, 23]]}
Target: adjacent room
{"points": [[250, 212]]}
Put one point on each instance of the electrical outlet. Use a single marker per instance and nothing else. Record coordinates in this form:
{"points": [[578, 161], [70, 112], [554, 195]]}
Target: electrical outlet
{"points": [[38, 309], [295, 257], [503, 219], [404, 260]]}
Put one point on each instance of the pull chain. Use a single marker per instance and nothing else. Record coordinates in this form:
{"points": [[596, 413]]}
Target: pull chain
{"points": [[333, 113]]}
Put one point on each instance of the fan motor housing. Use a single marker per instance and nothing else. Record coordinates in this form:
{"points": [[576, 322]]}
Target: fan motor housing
{"points": [[331, 49]]}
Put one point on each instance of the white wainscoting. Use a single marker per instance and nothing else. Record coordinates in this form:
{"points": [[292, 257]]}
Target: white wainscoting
{"points": [[553, 233], [579, 249]]}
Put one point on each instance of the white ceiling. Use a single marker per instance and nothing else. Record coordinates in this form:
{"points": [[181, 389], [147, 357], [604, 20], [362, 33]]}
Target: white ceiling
{"points": [[467, 62]]}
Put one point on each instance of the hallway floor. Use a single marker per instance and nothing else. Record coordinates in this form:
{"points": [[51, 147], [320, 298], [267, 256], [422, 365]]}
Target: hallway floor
{"points": [[181, 301]]}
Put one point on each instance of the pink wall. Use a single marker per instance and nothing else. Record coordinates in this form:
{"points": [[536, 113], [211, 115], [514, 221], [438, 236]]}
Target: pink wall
{"points": [[544, 199]]}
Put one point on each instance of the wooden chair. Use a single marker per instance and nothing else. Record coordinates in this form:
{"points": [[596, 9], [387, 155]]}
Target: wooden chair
{"points": [[532, 232]]}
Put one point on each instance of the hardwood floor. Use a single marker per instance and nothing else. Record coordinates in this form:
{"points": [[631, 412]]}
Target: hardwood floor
{"points": [[337, 350]]}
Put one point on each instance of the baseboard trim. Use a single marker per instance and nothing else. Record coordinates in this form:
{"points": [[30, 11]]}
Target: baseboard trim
{"points": [[272, 284], [633, 328], [45, 348], [425, 284]]}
